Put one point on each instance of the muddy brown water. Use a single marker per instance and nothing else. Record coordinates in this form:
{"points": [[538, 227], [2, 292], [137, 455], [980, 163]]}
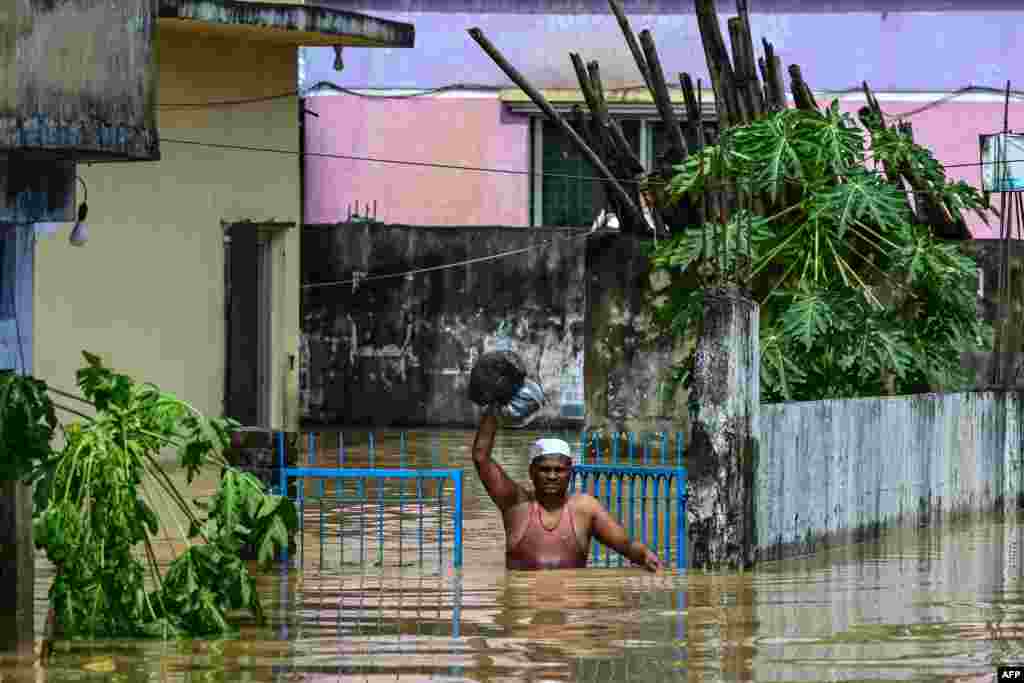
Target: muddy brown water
{"points": [[938, 604]]}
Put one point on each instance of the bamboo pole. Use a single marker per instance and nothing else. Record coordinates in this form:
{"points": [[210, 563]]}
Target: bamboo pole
{"points": [[585, 86], [633, 214], [754, 90], [723, 79], [627, 157], [747, 82], [742, 98], [596, 139], [802, 94], [758, 92], [694, 116], [627, 32], [630, 157], [659, 89], [773, 78]]}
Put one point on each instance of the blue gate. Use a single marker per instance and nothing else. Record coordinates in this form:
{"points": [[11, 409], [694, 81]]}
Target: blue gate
{"points": [[661, 501]]}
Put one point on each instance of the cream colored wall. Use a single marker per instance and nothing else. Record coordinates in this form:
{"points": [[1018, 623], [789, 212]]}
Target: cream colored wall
{"points": [[147, 291]]}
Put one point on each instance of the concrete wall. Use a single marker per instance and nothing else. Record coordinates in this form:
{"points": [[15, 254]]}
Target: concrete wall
{"points": [[833, 471], [91, 97], [399, 351], [626, 360], [147, 291]]}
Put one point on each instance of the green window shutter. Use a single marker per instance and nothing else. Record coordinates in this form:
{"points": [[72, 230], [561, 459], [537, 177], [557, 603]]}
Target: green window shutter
{"points": [[568, 197], [660, 143]]}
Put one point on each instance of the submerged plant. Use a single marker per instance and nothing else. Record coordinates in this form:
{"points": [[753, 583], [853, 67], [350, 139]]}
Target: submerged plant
{"points": [[97, 501], [858, 296]]}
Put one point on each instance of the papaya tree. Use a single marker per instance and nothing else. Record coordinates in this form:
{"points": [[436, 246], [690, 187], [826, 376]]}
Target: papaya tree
{"points": [[101, 499], [858, 295]]}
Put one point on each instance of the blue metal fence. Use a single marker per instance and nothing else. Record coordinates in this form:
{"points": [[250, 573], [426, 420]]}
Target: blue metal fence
{"points": [[639, 478], [657, 486], [332, 508]]}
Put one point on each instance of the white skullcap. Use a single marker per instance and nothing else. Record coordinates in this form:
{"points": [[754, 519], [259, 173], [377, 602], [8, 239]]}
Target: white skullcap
{"points": [[542, 447]]}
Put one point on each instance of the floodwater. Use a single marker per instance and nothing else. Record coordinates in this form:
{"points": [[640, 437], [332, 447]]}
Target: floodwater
{"points": [[941, 604]]}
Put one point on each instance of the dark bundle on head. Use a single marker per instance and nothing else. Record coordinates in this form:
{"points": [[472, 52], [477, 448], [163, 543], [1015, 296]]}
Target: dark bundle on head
{"points": [[496, 378]]}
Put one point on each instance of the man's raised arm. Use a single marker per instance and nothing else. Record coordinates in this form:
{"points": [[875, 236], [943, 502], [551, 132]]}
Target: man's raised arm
{"points": [[503, 491]]}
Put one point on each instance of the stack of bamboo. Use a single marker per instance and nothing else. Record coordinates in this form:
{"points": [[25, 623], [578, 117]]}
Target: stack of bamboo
{"points": [[740, 98]]}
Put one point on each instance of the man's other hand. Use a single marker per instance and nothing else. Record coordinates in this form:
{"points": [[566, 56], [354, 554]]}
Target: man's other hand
{"points": [[650, 562]]}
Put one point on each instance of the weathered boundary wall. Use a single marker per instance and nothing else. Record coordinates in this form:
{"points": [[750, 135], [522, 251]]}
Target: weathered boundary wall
{"points": [[838, 471], [398, 351], [627, 358], [988, 253]]}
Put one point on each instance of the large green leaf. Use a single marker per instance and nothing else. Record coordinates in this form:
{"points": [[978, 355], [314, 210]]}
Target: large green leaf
{"points": [[833, 141], [809, 314], [772, 145], [275, 536], [865, 204]]}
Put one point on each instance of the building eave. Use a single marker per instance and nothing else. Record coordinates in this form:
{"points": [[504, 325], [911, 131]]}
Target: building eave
{"points": [[300, 25], [621, 102]]}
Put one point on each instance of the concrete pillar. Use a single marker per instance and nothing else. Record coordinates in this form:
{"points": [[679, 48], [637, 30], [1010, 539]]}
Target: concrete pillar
{"points": [[17, 569], [626, 360], [17, 553], [724, 408]]}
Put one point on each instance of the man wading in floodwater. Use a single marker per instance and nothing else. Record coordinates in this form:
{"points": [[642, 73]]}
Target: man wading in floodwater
{"points": [[548, 529]]}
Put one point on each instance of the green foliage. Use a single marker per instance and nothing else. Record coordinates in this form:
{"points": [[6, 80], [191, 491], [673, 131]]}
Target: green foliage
{"points": [[96, 510], [27, 424], [857, 299]]}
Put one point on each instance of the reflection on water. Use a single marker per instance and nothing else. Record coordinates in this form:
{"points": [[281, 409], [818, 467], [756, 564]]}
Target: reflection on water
{"points": [[924, 605]]}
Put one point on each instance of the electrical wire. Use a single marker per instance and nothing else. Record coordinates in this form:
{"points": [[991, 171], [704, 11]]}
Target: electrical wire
{"points": [[329, 85], [480, 259], [213, 104], [504, 171], [323, 85]]}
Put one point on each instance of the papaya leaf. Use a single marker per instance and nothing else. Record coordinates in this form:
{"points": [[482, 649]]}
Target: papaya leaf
{"points": [[275, 537]]}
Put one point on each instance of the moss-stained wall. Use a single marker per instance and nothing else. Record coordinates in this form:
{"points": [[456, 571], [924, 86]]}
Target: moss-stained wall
{"points": [[79, 77], [399, 351], [627, 361]]}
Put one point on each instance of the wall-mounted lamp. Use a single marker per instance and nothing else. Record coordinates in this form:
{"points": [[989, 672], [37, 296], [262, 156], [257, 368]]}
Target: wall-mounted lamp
{"points": [[80, 233]]}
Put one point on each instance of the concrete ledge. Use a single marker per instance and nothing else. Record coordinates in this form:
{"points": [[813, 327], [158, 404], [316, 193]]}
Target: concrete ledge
{"points": [[306, 25]]}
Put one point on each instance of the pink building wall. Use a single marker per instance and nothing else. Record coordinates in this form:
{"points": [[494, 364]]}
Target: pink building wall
{"points": [[950, 130], [473, 132], [468, 131]]}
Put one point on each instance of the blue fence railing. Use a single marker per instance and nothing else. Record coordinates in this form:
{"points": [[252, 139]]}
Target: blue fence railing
{"points": [[357, 508], [349, 500], [649, 502]]}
